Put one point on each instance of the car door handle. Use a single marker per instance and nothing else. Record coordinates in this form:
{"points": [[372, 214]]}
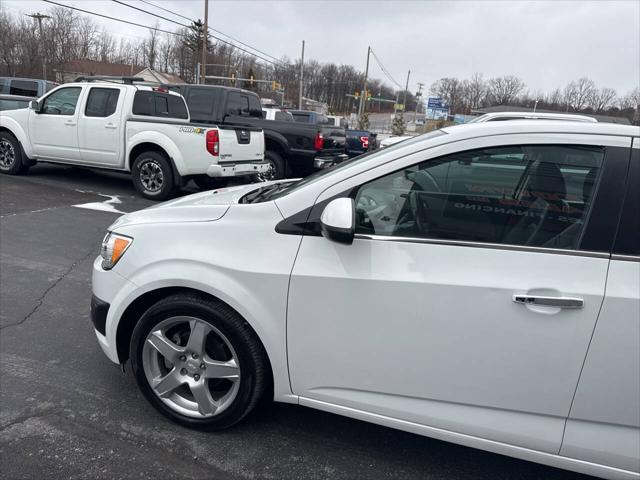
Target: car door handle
{"points": [[111, 126], [562, 302], [69, 123]]}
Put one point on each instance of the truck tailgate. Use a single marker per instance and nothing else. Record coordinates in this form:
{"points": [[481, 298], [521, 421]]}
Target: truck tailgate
{"points": [[334, 139], [240, 144]]}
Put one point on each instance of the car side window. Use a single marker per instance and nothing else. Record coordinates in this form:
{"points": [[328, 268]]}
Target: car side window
{"points": [[255, 109], [534, 195], [238, 104], [102, 102], [27, 88], [61, 102]]}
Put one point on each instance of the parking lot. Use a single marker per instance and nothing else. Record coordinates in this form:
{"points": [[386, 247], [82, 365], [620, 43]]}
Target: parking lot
{"points": [[67, 411]]}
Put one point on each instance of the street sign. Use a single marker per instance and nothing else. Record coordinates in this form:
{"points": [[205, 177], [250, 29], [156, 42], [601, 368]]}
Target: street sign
{"points": [[434, 102]]}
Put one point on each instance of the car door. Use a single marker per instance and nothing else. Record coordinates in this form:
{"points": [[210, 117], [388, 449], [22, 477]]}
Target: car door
{"points": [[466, 301], [604, 423], [100, 130], [54, 128]]}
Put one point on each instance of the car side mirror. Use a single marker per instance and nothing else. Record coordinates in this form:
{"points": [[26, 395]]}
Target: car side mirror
{"points": [[34, 105], [338, 220]]}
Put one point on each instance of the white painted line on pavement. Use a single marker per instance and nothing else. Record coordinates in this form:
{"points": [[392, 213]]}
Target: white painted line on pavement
{"points": [[105, 206]]}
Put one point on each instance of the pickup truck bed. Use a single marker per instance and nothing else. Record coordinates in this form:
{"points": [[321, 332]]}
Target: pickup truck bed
{"points": [[292, 149]]}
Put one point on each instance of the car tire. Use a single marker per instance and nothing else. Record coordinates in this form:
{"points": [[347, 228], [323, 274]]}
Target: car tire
{"points": [[229, 339], [278, 167], [11, 158], [153, 176], [205, 182]]}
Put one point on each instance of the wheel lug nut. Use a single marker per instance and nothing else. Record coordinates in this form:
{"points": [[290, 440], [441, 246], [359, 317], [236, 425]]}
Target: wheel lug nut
{"points": [[183, 371], [194, 356], [183, 358], [196, 377], [202, 366]]}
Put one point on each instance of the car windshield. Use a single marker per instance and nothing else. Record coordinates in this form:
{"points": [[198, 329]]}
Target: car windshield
{"points": [[348, 163]]}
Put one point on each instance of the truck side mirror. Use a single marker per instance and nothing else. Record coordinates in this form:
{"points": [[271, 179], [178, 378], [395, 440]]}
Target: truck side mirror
{"points": [[338, 220], [34, 105]]}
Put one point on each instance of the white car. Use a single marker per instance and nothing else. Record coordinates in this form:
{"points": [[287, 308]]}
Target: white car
{"points": [[129, 127], [387, 142], [478, 285], [277, 114]]}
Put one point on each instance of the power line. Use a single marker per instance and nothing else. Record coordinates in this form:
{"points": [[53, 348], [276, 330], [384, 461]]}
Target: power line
{"points": [[112, 18], [384, 70], [166, 10], [217, 38], [153, 28], [210, 28], [155, 15]]}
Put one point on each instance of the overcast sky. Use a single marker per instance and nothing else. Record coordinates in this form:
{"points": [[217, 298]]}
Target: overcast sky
{"points": [[546, 43]]}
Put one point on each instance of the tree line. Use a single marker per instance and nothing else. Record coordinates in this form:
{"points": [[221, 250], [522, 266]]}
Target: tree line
{"points": [[578, 96], [68, 35]]}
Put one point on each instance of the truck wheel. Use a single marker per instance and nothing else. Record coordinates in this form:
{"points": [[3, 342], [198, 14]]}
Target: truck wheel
{"points": [[204, 182], [11, 155], [152, 176], [277, 170]]}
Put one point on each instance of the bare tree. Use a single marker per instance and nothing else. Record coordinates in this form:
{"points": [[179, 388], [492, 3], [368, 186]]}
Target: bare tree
{"points": [[151, 47], [475, 90], [503, 90], [450, 89], [578, 94], [602, 99]]}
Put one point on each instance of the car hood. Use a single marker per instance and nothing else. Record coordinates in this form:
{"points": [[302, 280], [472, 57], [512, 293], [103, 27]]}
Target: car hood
{"points": [[199, 207]]}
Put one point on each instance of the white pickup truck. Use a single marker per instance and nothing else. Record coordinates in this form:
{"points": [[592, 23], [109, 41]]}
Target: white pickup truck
{"points": [[129, 127]]}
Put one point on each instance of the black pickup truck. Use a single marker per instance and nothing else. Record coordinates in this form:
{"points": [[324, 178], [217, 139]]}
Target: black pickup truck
{"points": [[293, 149]]}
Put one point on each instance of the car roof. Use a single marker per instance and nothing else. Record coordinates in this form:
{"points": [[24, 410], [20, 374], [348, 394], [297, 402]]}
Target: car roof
{"points": [[116, 84], [525, 126], [539, 115]]}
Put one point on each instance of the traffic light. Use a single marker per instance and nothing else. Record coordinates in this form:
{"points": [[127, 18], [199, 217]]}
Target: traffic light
{"points": [[251, 80], [233, 77], [356, 94], [273, 86], [368, 96]]}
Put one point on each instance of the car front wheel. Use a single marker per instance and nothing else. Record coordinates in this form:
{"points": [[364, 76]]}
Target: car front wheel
{"points": [[198, 362]]}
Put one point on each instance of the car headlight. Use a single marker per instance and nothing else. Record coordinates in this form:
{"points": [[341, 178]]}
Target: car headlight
{"points": [[113, 247]]}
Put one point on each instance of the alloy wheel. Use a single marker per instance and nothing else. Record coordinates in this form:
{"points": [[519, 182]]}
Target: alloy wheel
{"points": [[151, 176], [7, 154], [191, 366]]}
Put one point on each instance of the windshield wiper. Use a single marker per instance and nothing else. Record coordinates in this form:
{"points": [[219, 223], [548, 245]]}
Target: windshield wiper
{"points": [[262, 193]]}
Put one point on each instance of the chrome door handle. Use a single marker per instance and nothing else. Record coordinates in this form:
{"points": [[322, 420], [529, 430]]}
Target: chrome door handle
{"points": [[562, 302], [70, 124], [111, 126]]}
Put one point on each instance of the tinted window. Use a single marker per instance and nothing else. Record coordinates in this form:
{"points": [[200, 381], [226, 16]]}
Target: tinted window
{"points": [[238, 104], [255, 109], [61, 102], [13, 104], [24, 87], [628, 238], [177, 107], [162, 105], [531, 195], [159, 105], [102, 102], [201, 101]]}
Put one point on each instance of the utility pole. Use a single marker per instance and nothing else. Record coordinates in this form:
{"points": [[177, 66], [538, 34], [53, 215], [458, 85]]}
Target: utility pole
{"points": [[364, 86], [406, 87], [205, 37], [301, 75], [418, 96], [39, 17]]}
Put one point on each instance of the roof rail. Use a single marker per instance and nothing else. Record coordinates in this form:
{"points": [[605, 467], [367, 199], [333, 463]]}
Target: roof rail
{"points": [[106, 78]]}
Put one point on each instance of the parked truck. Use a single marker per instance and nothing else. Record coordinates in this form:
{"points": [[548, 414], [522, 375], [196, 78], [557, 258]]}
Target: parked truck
{"points": [[130, 127], [292, 149], [357, 142]]}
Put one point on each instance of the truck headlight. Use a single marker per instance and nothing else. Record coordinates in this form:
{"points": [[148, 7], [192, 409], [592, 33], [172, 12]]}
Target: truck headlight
{"points": [[113, 247]]}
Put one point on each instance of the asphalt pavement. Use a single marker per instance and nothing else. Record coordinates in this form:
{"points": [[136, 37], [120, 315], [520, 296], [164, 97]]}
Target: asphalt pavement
{"points": [[66, 412]]}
